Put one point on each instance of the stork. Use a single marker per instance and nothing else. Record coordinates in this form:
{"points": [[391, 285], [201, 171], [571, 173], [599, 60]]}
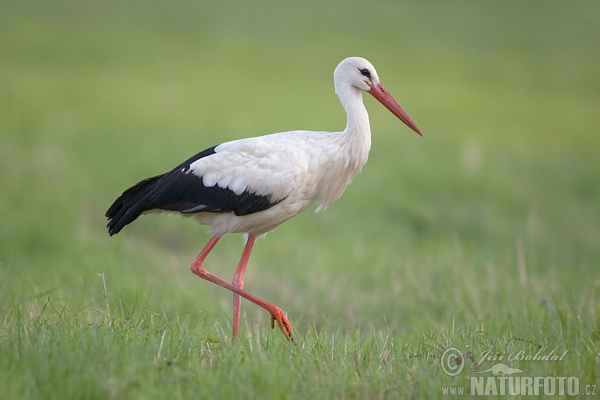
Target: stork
{"points": [[253, 185]]}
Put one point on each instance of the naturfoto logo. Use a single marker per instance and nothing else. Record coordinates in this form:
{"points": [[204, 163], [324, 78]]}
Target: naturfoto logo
{"points": [[504, 380]]}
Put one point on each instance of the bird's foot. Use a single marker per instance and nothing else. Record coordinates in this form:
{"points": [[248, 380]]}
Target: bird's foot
{"points": [[285, 326]]}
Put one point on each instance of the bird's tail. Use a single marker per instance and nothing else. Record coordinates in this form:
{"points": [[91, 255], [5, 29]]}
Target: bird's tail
{"points": [[130, 205]]}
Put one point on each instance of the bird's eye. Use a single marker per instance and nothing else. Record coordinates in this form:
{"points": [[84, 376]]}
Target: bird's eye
{"points": [[365, 72]]}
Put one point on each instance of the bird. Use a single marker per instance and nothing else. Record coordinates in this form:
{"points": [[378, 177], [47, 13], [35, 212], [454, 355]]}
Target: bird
{"points": [[253, 185]]}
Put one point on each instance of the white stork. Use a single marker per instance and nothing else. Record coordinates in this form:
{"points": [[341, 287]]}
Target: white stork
{"points": [[252, 185]]}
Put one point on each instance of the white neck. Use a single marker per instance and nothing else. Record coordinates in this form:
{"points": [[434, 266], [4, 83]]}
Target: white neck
{"points": [[358, 131]]}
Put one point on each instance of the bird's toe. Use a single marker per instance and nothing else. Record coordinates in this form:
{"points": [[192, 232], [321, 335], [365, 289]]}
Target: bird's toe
{"points": [[284, 324]]}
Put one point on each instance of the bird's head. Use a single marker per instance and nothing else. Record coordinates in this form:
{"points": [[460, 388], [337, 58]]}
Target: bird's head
{"points": [[356, 72]]}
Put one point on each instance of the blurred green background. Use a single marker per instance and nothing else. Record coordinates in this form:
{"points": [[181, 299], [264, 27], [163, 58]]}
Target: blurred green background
{"points": [[494, 215]]}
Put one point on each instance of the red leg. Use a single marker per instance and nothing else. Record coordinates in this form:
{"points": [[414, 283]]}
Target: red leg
{"points": [[238, 280], [207, 249], [276, 312]]}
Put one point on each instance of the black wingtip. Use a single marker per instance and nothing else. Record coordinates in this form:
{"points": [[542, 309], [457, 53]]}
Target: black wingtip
{"points": [[130, 205]]}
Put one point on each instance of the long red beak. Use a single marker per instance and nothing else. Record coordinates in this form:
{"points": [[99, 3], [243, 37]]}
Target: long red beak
{"points": [[385, 98]]}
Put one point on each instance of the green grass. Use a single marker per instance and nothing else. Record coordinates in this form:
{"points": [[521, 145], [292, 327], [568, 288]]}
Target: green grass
{"points": [[484, 235]]}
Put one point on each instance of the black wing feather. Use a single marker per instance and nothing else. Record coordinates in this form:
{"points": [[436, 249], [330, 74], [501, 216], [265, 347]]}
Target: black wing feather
{"points": [[181, 191]]}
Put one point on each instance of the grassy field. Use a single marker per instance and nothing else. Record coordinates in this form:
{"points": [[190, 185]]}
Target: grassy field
{"points": [[484, 235]]}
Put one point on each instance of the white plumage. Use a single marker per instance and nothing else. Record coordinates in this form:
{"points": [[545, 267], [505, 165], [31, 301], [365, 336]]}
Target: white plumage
{"points": [[253, 185], [295, 169]]}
